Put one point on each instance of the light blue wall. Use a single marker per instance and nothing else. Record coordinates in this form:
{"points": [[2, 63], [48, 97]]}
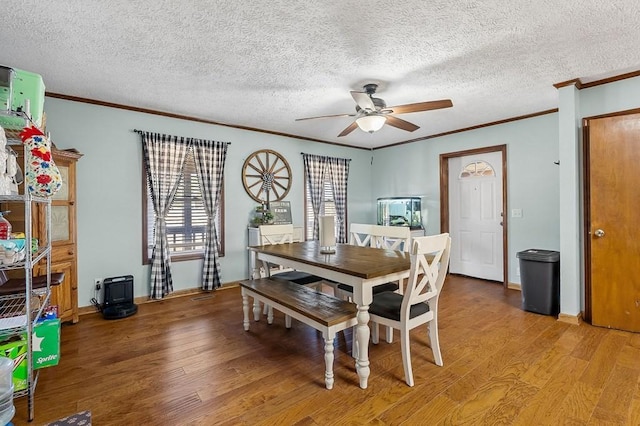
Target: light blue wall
{"points": [[109, 181], [613, 97], [571, 253], [532, 147], [534, 182], [109, 185], [575, 106]]}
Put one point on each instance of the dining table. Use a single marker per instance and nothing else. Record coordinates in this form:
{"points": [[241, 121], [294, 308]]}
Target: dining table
{"points": [[363, 268]]}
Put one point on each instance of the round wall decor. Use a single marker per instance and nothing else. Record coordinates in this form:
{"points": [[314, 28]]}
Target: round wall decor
{"points": [[266, 176]]}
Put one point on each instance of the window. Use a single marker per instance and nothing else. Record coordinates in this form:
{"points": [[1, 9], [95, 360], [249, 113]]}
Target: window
{"points": [[476, 169], [186, 221], [326, 182], [328, 207]]}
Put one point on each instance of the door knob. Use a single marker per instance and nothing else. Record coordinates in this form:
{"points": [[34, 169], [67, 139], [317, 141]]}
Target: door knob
{"points": [[599, 233]]}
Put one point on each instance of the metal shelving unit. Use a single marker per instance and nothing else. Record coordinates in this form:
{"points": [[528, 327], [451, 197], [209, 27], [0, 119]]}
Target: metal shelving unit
{"points": [[18, 311]]}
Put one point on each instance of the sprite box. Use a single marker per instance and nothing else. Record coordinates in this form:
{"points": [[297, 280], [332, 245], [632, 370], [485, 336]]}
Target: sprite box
{"points": [[15, 349], [45, 343]]}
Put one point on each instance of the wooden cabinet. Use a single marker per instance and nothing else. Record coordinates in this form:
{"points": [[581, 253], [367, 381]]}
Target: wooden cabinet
{"points": [[65, 295], [63, 234]]}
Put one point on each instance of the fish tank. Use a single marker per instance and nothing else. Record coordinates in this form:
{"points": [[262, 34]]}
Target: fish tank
{"points": [[400, 211]]}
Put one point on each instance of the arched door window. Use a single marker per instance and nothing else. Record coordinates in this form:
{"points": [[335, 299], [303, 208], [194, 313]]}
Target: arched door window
{"points": [[477, 169]]}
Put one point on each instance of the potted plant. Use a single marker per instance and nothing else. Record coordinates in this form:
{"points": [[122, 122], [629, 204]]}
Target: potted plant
{"points": [[262, 216], [267, 217]]}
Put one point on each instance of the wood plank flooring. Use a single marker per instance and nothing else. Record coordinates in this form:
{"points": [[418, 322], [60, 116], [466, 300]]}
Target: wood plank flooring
{"points": [[187, 361]]}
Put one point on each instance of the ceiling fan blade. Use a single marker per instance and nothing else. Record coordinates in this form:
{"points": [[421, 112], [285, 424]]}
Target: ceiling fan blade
{"points": [[326, 116], [363, 100], [401, 124], [350, 128], [420, 106]]}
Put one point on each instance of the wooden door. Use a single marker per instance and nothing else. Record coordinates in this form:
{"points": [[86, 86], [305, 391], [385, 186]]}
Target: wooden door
{"points": [[65, 295], [475, 208], [612, 231]]}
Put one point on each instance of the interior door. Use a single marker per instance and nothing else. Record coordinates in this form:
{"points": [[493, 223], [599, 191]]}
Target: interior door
{"points": [[613, 210], [475, 209]]}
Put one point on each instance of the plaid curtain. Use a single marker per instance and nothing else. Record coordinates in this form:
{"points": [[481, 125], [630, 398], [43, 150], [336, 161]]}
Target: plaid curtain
{"points": [[209, 157], [314, 168], [338, 174], [317, 168], [164, 158]]}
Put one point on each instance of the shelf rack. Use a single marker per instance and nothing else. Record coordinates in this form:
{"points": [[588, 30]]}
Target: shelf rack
{"points": [[18, 312]]}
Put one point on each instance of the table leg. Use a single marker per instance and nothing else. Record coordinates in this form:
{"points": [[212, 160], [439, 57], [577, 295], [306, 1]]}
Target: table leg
{"points": [[362, 336], [245, 311], [328, 361], [254, 274], [256, 309]]}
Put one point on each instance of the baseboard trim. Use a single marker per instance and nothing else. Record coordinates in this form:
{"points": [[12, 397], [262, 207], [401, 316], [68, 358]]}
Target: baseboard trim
{"points": [[514, 286], [86, 310], [571, 319]]}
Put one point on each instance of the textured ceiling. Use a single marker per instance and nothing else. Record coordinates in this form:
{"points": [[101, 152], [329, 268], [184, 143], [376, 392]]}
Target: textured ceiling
{"points": [[262, 64]]}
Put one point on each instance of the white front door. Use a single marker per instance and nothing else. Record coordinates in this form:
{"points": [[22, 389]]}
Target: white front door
{"points": [[475, 209]]}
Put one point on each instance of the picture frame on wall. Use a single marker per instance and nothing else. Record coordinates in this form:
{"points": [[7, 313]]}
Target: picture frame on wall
{"points": [[281, 211]]}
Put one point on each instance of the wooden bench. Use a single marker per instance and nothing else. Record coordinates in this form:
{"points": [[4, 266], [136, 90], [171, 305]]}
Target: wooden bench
{"points": [[323, 312]]}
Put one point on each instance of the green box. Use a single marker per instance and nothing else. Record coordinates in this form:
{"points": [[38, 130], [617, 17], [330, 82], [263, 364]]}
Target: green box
{"points": [[46, 343], [25, 85], [6, 84], [16, 350]]}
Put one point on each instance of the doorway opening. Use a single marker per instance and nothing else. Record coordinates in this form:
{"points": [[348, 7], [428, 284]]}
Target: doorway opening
{"points": [[446, 192]]}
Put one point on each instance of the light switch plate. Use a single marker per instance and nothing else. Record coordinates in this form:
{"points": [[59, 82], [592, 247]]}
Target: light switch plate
{"points": [[516, 212]]}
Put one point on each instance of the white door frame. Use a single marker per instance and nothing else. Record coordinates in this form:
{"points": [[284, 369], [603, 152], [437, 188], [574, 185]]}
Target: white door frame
{"points": [[444, 197]]}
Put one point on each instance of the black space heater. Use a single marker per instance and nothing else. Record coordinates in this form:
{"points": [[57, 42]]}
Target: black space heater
{"points": [[118, 297]]}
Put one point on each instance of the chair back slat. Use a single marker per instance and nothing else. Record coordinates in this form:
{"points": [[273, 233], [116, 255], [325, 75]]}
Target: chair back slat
{"points": [[276, 234], [391, 237], [429, 266], [360, 234]]}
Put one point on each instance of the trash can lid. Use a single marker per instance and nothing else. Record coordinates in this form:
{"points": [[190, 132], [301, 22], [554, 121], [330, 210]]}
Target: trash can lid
{"points": [[539, 255]]}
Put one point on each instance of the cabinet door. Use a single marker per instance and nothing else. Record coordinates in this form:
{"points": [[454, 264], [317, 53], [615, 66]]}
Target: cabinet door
{"points": [[62, 208], [65, 295]]}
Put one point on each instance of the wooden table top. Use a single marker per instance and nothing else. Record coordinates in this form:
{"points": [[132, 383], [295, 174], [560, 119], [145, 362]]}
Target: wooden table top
{"points": [[363, 262]]}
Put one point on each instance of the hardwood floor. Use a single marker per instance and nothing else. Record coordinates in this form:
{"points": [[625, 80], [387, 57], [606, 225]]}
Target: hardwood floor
{"points": [[187, 361]]}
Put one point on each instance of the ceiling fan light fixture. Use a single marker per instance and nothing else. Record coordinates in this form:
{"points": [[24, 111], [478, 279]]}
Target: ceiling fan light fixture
{"points": [[371, 122]]}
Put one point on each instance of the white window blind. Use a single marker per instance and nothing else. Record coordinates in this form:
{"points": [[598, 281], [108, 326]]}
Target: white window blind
{"points": [[328, 207]]}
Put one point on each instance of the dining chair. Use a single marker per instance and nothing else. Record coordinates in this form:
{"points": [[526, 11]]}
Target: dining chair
{"points": [[391, 237], [360, 234], [419, 304], [283, 234]]}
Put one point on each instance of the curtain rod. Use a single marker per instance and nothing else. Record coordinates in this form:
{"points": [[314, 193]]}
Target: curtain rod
{"points": [[145, 131], [304, 153]]}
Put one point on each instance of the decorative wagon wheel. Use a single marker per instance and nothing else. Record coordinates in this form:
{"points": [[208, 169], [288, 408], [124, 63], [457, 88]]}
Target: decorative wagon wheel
{"points": [[266, 176]]}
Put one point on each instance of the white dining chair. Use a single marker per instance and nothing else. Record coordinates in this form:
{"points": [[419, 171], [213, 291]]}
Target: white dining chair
{"points": [[419, 304], [360, 234], [283, 234], [389, 237]]}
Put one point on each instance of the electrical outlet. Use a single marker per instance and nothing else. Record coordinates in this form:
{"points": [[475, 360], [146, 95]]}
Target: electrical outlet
{"points": [[98, 282]]}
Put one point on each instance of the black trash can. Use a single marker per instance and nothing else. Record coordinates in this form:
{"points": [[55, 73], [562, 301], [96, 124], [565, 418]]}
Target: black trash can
{"points": [[540, 281]]}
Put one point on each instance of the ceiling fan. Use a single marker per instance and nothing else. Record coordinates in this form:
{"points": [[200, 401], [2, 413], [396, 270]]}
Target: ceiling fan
{"points": [[372, 113]]}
